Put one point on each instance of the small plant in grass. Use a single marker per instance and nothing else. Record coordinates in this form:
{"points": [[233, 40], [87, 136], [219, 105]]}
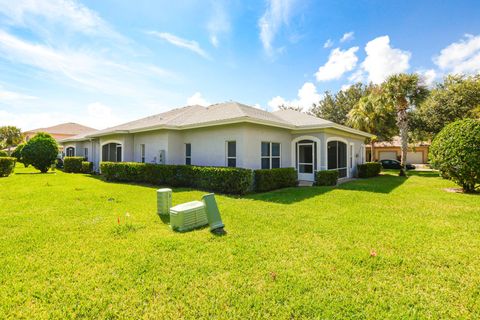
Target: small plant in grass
{"points": [[326, 178], [455, 151], [124, 227], [7, 165]]}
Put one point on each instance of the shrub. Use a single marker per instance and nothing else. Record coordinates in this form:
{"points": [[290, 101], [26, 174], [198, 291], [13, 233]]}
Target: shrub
{"points": [[7, 165], [219, 179], [326, 178], [17, 153], [87, 167], [271, 179], [455, 151], [73, 164], [3, 153], [41, 151], [369, 169]]}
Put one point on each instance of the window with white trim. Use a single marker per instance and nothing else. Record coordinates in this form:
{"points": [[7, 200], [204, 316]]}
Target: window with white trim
{"points": [[142, 153], [70, 152], [231, 153], [270, 155], [85, 154], [188, 153]]}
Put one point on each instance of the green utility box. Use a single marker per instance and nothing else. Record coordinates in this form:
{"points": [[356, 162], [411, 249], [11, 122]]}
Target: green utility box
{"points": [[164, 203], [188, 216], [213, 214]]}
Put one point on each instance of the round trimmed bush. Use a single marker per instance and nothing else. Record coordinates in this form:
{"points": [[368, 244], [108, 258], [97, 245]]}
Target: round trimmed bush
{"points": [[41, 152], [7, 165], [455, 151]]}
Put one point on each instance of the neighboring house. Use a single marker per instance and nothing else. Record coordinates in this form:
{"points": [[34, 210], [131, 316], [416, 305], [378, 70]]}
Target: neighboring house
{"points": [[391, 150], [60, 131], [228, 134]]}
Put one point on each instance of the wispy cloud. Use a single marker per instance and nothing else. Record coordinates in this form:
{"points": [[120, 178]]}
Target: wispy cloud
{"points": [[70, 14], [80, 68], [219, 23], [7, 95], [328, 43], [347, 36], [181, 42], [277, 14], [339, 62]]}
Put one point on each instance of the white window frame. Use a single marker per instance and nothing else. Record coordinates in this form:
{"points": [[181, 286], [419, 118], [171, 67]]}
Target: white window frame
{"points": [[351, 151], [185, 153], [227, 157], [74, 151], [142, 152], [270, 157]]}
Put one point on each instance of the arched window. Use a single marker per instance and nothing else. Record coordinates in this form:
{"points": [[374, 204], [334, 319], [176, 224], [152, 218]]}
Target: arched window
{"points": [[112, 152], [70, 152], [337, 157]]}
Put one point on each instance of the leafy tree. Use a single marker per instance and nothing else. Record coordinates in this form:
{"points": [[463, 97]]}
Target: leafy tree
{"points": [[41, 151], [458, 97], [10, 136], [17, 153], [455, 151], [336, 107], [404, 92], [373, 114]]}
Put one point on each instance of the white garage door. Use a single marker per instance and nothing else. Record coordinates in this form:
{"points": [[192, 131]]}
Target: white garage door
{"points": [[387, 155], [414, 157]]}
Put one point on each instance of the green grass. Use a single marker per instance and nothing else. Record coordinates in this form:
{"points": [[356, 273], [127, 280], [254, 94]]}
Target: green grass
{"points": [[293, 253]]}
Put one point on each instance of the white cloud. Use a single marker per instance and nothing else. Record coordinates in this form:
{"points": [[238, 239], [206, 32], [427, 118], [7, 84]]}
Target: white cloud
{"points": [[84, 69], [69, 13], [276, 15], [429, 76], [180, 42], [197, 98], [357, 76], [382, 60], [306, 97], [347, 36], [95, 115], [219, 23], [328, 43], [6, 95], [461, 57], [338, 63]]}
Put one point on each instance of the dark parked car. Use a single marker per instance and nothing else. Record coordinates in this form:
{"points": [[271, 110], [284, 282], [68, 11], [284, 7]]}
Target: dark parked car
{"points": [[394, 164]]}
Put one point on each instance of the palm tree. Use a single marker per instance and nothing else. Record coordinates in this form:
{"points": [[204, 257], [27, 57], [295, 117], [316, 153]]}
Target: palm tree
{"points": [[10, 136], [374, 115], [404, 92]]}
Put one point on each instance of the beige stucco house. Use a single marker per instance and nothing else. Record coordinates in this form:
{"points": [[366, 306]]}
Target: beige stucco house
{"points": [[228, 134], [391, 150]]}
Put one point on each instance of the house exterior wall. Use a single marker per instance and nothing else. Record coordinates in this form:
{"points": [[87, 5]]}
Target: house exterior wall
{"points": [[208, 145], [154, 142]]}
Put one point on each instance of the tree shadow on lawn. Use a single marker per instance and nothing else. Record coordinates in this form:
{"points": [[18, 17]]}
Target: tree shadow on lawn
{"points": [[382, 184], [425, 174]]}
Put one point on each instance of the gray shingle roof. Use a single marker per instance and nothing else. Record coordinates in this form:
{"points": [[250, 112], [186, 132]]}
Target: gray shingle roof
{"points": [[221, 113]]}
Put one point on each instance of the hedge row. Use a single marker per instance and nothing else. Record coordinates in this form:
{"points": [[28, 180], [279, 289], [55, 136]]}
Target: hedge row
{"points": [[369, 169], [271, 179], [7, 165], [3, 154], [77, 165], [219, 179], [326, 178]]}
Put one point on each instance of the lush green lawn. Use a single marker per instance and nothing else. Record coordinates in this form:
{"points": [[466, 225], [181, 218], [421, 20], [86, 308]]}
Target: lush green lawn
{"points": [[294, 253]]}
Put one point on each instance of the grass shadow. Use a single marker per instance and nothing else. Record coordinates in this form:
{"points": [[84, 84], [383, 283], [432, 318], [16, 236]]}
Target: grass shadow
{"points": [[385, 183], [426, 174], [30, 173], [289, 195]]}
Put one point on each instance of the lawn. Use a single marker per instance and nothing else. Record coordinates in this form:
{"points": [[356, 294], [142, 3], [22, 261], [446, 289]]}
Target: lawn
{"points": [[293, 253]]}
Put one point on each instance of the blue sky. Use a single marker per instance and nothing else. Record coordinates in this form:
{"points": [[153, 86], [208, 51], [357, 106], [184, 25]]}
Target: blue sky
{"points": [[105, 62]]}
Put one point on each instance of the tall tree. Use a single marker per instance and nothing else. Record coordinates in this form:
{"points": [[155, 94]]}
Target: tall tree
{"points": [[456, 98], [336, 107], [10, 136], [404, 92], [373, 114]]}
